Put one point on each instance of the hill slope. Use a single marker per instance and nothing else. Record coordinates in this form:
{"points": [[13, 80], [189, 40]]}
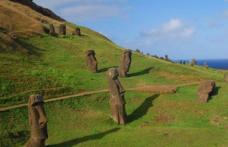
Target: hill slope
{"points": [[34, 61]]}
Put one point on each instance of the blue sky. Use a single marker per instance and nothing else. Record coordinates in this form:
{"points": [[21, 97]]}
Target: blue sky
{"points": [[181, 29]]}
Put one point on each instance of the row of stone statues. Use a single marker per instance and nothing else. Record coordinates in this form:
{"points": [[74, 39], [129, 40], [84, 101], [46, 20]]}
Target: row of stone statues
{"points": [[123, 69], [37, 116], [38, 119], [117, 101], [63, 30]]}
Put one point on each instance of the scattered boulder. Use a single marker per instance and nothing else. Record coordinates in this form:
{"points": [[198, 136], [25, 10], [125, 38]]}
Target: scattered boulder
{"points": [[117, 101], [226, 77], [125, 63], [206, 89], [62, 29], [37, 121], [91, 61]]}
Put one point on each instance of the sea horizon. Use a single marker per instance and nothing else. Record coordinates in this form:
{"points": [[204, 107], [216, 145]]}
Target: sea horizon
{"points": [[213, 63]]}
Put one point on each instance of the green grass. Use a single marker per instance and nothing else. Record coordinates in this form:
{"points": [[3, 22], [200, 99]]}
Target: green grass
{"points": [[59, 62], [165, 120]]}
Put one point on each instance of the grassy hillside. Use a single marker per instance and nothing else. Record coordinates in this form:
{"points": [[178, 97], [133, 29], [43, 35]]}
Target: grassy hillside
{"points": [[56, 66]]}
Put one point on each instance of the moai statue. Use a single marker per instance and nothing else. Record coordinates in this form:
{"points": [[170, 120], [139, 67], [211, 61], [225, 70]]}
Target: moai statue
{"points": [[205, 65], [62, 29], [91, 60], [52, 30], [193, 62], [226, 77], [37, 121], [166, 57], [78, 31], [117, 101], [206, 89], [125, 63]]}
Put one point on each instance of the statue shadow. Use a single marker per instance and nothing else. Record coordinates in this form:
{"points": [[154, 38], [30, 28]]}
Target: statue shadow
{"points": [[31, 49], [76, 141], [143, 72], [142, 109], [105, 69], [214, 93]]}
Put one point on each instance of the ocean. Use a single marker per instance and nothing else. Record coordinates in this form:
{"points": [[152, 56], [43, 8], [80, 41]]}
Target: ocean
{"points": [[213, 63]]}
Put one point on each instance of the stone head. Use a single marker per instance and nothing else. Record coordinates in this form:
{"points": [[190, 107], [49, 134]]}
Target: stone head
{"points": [[113, 73]]}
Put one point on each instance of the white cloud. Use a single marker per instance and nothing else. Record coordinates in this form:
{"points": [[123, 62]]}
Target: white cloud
{"points": [[91, 12], [173, 29], [80, 10]]}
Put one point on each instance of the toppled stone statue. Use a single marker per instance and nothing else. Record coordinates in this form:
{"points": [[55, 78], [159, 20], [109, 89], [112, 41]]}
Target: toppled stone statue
{"points": [[91, 61], [226, 77], [37, 121], [52, 30], [77, 32], [206, 89], [125, 63], [62, 29], [117, 101]]}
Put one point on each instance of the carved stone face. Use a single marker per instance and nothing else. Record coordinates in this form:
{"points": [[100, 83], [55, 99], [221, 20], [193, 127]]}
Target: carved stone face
{"points": [[52, 29], [91, 60], [78, 31], [127, 59], [113, 73], [62, 29], [117, 100], [125, 63], [37, 117], [35, 100]]}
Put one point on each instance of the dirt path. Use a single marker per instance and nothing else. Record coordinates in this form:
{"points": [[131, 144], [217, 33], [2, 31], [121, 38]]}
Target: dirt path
{"points": [[154, 89], [55, 99]]}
